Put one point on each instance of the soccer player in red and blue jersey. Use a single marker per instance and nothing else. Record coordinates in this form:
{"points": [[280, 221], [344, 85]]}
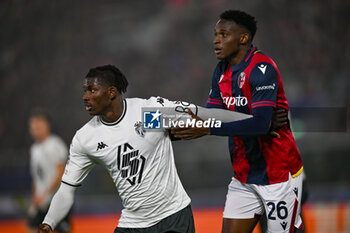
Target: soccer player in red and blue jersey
{"points": [[268, 170]]}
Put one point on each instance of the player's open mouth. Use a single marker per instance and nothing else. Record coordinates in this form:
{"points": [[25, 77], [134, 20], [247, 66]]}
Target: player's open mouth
{"points": [[88, 107], [217, 50]]}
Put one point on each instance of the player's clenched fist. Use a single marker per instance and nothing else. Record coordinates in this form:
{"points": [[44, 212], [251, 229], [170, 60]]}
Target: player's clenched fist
{"points": [[44, 228]]}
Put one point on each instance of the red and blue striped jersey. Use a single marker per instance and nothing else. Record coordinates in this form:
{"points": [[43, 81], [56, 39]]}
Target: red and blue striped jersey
{"points": [[255, 83]]}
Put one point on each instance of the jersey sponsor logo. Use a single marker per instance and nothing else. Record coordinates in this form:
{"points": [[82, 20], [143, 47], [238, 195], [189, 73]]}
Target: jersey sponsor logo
{"points": [[139, 129], [235, 101], [284, 225], [296, 191], [267, 87], [101, 145], [152, 120], [241, 80], [262, 68], [131, 163]]}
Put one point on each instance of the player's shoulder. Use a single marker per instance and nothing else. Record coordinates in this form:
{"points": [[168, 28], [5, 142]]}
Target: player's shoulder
{"points": [[89, 127], [259, 58], [262, 66], [153, 101], [135, 101]]}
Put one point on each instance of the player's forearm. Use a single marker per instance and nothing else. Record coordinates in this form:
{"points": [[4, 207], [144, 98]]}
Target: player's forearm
{"points": [[60, 205], [221, 114], [57, 180], [259, 124]]}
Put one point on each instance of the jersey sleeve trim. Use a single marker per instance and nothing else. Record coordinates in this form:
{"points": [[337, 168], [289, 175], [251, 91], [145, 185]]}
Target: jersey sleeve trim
{"points": [[263, 104], [77, 185], [214, 101], [210, 102]]}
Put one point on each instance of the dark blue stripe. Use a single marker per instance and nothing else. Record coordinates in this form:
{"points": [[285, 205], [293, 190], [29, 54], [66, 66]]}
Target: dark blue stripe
{"points": [[258, 168]]}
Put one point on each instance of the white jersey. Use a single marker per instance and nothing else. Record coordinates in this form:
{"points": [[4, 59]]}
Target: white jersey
{"points": [[141, 163], [44, 158]]}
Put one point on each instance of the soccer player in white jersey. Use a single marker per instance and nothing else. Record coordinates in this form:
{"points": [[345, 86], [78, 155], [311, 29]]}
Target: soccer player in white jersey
{"points": [[48, 156], [141, 163]]}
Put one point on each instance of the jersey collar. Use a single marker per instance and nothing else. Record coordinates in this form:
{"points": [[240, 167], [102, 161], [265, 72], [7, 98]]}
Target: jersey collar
{"points": [[245, 60], [120, 118]]}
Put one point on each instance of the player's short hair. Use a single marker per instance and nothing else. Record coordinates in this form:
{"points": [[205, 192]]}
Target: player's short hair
{"points": [[109, 75], [41, 113], [241, 18]]}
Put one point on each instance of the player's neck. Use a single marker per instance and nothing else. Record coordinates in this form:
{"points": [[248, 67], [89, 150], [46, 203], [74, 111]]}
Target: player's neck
{"points": [[237, 58], [116, 110], [42, 138]]}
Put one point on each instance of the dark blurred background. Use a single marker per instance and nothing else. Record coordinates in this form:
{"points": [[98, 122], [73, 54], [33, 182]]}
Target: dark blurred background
{"points": [[165, 48]]}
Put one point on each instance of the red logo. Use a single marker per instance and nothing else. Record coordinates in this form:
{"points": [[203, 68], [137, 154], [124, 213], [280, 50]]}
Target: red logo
{"points": [[241, 80]]}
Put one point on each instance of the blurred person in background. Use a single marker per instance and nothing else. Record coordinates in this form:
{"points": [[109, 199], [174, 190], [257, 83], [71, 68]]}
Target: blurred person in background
{"points": [[268, 171], [48, 156]]}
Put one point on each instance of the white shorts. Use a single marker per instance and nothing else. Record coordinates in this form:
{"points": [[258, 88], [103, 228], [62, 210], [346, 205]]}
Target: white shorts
{"points": [[280, 202]]}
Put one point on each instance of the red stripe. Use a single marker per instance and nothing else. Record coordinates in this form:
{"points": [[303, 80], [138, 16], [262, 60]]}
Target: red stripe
{"points": [[214, 103], [250, 54], [214, 99], [291, 229], [282, 106], [263, 102], [263, 105]]}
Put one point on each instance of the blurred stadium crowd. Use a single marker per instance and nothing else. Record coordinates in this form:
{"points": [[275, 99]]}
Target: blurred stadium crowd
{"points": [[165, 48]]}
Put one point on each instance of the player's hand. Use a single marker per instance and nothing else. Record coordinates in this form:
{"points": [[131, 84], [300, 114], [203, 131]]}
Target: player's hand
{"points": [[279, 119], [190, 132], [44, 228]]}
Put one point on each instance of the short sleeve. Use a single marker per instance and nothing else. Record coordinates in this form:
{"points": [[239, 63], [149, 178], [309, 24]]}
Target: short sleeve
{"points": [[78, 165], [264, 83]]}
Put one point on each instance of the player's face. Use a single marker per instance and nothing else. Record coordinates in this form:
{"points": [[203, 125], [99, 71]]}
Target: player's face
{"points": [[227, 39], [96, 98], [39, 128]]}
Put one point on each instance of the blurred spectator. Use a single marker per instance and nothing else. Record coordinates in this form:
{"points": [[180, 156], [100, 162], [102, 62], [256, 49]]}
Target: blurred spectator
{"points": [[48, 156]]}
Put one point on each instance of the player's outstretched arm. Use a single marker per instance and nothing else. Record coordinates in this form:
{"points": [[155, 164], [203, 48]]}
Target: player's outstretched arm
{"points": [[221, 114], [190, 132], [60, 205], [278, 120]]}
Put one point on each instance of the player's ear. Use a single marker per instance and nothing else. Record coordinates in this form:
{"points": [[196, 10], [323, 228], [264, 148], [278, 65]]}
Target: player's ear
{"points": [[244, 38], [112, 92]]}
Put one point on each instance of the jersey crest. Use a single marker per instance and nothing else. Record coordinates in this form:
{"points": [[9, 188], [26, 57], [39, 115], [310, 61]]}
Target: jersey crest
{"points": [[241, 80], [139, 128]]}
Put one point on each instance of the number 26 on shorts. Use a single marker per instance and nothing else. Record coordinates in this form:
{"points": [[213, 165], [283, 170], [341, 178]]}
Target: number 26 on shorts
{"points": [[280, 210]]}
